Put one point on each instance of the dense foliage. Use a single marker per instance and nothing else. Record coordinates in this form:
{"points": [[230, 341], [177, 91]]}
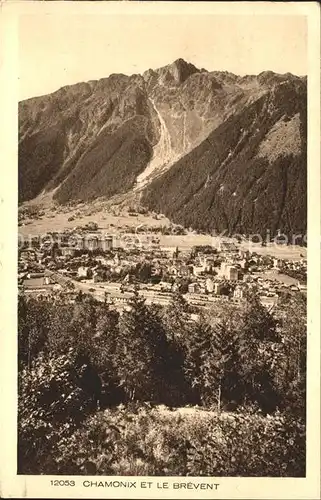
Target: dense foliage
{"points": [[91, 383], [147, 441]]}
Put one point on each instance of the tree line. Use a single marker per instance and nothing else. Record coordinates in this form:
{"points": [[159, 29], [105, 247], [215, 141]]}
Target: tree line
{"points": [[75, 359]]}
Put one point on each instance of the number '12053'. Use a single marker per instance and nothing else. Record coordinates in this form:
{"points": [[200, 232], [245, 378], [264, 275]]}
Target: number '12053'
{"points": [[62, 482]]}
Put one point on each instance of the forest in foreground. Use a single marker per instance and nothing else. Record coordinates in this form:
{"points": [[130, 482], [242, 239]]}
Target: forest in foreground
{"points": [[152, 391]]}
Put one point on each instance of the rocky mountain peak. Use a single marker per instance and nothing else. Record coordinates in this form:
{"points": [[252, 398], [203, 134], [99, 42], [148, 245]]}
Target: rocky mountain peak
{"points": [[180, 70], [171, 74], [200, 144]]}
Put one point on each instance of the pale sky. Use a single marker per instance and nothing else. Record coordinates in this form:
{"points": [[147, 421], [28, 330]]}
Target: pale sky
{"points": [[57, 50]]}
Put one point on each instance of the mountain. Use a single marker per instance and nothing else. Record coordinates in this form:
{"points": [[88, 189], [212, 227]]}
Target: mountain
{"points": [[249, 175], [212, 150]]}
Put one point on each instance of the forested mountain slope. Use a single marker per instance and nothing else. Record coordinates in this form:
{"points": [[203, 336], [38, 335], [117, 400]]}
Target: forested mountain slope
{"points": [[212, 150]]}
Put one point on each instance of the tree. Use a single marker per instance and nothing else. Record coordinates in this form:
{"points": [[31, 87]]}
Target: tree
{"points": [[33, 327], [176, 318], [138, 350], [143, 271], [258, 322], [289, 368], [212, 363], [167, 380], [197, 347], [51, 406], [258, 340], [63, 331], [230, 355], [104, 353]]}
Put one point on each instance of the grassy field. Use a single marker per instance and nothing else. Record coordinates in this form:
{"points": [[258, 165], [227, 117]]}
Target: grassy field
{"points": [[291, 252], [282, 278], [58, 221], [60, 218]]}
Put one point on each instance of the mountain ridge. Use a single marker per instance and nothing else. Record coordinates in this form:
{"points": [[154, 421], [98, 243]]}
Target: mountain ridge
{"points": [[111, 136]]}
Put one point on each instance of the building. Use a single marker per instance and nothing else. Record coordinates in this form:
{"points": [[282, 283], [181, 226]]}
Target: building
{"points": [[277, 263], [28, 254], [185, 270], [165, 286], [173, 271], [209, 265], [218, 287], [243, 264], [193, 288], [197, 270], [68, 251], [209, 285], [106, 243], [228, 247], [94, 242], [82, 272], [244, 254], [238, 293], [35, 275], [232, 273], [229, 272], [223, 269]]}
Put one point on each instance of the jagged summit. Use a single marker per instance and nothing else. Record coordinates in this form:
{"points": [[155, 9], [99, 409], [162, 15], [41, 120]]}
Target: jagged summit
{"points": [[175, 73], [178, 71], [184, 69]]}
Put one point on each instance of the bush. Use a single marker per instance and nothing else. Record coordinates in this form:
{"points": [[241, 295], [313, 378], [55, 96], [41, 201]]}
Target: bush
{"points": [[51, 405], [249, 445], [156, 441]]}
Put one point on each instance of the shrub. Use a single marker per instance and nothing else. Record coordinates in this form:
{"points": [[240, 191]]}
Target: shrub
{"points": [[51, 405], [249, 445], [146, 441]]}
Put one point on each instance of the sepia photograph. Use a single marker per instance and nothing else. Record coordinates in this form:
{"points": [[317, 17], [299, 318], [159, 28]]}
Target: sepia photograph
{"points": [[162, 251]]}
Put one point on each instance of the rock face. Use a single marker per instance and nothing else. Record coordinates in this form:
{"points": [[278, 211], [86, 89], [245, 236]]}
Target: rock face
{"points": [[212, 150]]}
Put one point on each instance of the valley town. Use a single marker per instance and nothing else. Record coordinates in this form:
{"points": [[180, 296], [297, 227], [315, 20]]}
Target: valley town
{"points": [[110, 266]]}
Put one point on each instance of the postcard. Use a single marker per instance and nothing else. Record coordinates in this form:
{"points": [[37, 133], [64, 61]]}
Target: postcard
{"points": [[160, 251]]}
